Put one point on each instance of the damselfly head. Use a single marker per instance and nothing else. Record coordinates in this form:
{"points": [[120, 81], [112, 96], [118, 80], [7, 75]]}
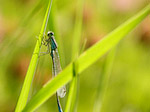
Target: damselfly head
{"points": [[50, 33]]}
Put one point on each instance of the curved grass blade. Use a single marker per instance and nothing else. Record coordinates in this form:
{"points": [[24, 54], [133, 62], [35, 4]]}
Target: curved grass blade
{"points": [[86, 59], [32, 67]]}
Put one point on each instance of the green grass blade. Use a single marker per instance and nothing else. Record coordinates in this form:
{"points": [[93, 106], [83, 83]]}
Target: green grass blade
{"points": [[109, 41], [72, 95], [31, 70], [72, 90], [104, 80], [77, 29], [86, 59]]}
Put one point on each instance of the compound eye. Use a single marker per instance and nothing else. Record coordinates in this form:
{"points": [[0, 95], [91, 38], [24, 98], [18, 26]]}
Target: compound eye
{"points": [[50, 33]]}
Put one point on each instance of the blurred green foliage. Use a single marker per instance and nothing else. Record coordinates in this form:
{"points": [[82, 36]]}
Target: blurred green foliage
{"points": [[128, 85]]}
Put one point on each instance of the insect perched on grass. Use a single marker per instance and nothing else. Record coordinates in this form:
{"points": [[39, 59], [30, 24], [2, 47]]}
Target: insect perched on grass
{"points": [[55, 59], [51, 42]]}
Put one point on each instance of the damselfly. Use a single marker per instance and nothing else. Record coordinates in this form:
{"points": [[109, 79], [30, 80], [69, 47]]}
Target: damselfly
{"points": [[55, 59]]}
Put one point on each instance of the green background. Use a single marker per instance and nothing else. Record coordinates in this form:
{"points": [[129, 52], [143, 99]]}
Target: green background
{"points": [[128, 85]]}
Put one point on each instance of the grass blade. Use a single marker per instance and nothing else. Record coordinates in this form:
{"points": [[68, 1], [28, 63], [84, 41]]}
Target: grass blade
{"points": [[32, 67], [104, 79], [86, 59], [72, 95], [72, 91], [77, 29]]}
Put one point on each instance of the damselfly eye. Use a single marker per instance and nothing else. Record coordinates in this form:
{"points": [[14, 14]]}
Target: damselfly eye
{"points": [[50, 33]]}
